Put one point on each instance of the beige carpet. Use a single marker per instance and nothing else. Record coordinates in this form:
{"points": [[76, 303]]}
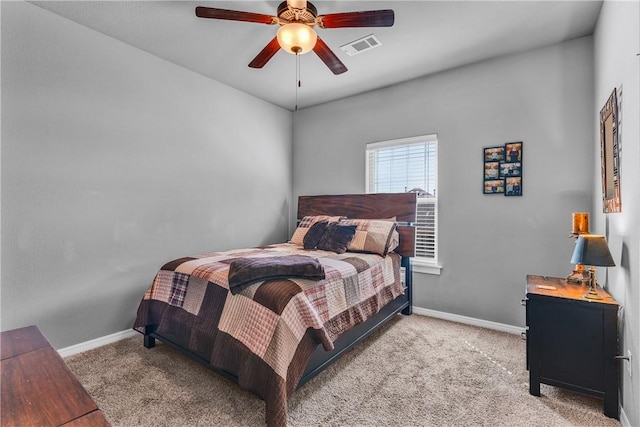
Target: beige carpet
{"points": [[417, 371]]}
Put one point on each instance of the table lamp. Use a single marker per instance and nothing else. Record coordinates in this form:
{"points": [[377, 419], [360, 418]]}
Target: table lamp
{"points": [[592, 250], [579, 225]]}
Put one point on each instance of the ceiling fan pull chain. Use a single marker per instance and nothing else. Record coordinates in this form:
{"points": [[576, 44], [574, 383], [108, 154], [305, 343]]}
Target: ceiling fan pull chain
{"points": [[297, 77]]}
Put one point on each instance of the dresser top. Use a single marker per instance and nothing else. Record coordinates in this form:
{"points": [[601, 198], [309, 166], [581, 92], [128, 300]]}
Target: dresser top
{"points": [[38, 388], [561, 288], [20, 341]]}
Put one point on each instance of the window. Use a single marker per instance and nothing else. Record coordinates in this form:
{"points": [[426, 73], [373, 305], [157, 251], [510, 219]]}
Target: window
{"points": [[410, 164]]}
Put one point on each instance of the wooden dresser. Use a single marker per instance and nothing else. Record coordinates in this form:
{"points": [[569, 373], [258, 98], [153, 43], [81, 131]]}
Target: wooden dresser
{"points": [[572, 342], [38, 389]]}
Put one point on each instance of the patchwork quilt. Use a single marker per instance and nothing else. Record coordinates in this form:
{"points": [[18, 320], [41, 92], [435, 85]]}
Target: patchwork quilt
{"points": [[265, 333]]}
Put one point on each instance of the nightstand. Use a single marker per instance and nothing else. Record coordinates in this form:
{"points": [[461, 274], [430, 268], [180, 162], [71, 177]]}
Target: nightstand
{"points": [[571, 341]]}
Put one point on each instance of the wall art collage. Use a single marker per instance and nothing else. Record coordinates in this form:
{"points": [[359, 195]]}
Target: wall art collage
{"points": [[502, 172]]}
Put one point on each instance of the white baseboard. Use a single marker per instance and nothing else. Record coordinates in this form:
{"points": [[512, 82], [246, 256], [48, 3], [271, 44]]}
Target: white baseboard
{"points": [[624, 421], [108, 339], [517, 330], [98, 342]]}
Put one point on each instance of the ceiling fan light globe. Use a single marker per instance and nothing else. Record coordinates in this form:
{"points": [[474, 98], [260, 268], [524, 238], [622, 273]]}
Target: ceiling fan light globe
{"points": [[296, 38]]}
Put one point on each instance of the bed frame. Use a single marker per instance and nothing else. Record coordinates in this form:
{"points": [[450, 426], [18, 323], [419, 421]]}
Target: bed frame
{"points": [[402, 206]]}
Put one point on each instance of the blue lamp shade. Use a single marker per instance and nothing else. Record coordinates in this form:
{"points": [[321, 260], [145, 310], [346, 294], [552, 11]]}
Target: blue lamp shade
{"points": [[592, 249]]}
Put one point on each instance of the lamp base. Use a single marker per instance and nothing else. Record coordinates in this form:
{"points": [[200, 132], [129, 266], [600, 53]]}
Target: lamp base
{"points": [[593, 285], [592, 294]]}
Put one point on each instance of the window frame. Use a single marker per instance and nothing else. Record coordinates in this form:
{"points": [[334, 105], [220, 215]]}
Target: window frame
{"points": [[419, 264]]}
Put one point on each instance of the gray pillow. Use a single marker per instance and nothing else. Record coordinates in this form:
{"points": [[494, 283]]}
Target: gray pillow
{"points": [[315, 233], [337, 237]]}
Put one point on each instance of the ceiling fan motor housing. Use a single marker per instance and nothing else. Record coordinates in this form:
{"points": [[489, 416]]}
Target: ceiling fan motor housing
{"points": [[303, 16]]}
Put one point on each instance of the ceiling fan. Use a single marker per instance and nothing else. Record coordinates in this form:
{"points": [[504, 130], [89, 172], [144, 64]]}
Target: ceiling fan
{"points": [[296, 34]]}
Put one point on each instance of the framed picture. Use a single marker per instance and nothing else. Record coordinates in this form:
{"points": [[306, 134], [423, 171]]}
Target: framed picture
{"points": [[513, 186], [494, 186], [510, 169], [609, 155], [502, 169], [513, 152], [491, 170], [494, 154]]}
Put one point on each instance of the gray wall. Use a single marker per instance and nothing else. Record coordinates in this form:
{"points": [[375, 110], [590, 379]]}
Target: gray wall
{"points": [[616, 46], [488, 243], [115, 161]]}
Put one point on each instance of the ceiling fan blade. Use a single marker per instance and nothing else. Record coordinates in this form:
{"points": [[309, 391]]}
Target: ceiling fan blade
{"points": [[328, 57], [265, 54], [234, 15], [370, 18]]}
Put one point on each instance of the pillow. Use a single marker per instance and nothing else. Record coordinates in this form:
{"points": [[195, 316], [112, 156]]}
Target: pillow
{"points": [[372, 235], [395, 240], [314, 234], [306, 223], [337, 237]]}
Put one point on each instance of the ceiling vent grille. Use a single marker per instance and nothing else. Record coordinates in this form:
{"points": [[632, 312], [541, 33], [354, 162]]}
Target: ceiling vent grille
{"points": [[363, 44]]}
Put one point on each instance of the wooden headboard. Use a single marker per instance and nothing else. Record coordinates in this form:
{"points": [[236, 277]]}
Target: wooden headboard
{"points": [[368, 206]]}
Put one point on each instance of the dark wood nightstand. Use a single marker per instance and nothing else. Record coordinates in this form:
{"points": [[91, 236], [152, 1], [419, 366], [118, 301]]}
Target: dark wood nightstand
{"points": [[38, 389], [571, 341]]}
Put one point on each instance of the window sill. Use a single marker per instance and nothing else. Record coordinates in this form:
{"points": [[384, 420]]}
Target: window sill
{"points": [[425, 267]]}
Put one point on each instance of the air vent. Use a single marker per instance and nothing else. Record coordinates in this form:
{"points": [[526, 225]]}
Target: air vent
{"points": [[361, 45]]}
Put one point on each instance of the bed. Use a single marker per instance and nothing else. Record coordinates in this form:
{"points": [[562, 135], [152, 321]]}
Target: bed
{"points": [[273, 317]]}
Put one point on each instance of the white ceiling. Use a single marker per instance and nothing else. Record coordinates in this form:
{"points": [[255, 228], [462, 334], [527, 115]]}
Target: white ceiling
{"points": [[428, 37]]}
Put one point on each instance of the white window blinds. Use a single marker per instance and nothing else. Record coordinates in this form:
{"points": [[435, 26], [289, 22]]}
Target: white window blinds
{"points": [[409, 164]]}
